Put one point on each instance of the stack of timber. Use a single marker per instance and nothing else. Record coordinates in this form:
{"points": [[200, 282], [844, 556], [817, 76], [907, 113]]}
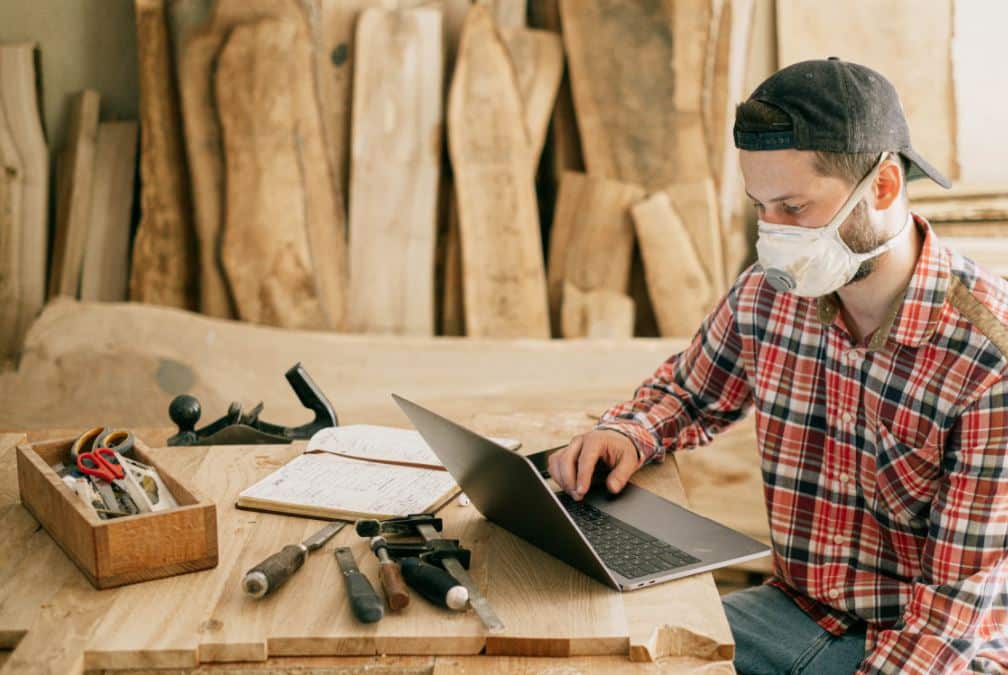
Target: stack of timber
{"points": [[371, 166], [971, 219], [24, 190]]}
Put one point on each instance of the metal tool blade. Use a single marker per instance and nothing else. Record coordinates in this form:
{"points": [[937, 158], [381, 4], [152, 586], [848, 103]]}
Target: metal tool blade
{"points": [[318, 540], [476, 598]]}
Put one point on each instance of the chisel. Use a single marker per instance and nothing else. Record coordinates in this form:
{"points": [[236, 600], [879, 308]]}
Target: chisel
{"points": [[364, 601], [275, 570]]}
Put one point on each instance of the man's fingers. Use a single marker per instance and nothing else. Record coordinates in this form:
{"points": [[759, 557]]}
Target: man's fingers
{"points": [[586, 465], [563, 464], [625, 467]]}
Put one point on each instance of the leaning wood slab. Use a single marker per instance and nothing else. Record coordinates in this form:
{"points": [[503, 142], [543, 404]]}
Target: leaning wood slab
{"points": [[504, 281], [397, 141], [537, 56], [73, 206], [19, 99], [265, 247], [597, 314], [11, 233], [677, 283], [164, 262], [592, 239], [105, 272]]}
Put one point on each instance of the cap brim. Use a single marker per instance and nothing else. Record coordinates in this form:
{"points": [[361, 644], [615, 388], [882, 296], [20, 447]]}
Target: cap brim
{"points": [[921, 168]]}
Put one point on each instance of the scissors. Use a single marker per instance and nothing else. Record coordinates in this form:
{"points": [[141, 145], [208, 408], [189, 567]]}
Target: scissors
{"points": [[119, 440], [104, 465]]}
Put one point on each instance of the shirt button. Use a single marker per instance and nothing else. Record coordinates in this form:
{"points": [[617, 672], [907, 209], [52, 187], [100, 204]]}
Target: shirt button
{"points": [[847, 418], [839, 539], [843, 478], [834, 593]]}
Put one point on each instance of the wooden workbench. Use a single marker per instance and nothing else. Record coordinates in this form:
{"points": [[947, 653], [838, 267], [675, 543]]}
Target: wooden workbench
{"points": [[201, 619]]}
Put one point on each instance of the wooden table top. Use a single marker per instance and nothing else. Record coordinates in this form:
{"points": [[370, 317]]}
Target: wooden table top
{"points": [[555, 616]]}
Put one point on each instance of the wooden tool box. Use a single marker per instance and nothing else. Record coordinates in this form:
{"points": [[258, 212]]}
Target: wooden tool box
{"points": [[121, 550]]}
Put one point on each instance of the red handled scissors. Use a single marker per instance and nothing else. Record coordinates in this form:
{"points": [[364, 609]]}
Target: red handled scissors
{"points": [[101, 463]]}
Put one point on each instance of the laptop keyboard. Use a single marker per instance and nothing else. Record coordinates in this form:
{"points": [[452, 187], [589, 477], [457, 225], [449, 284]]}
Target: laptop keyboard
{"points": [[623, 547]]}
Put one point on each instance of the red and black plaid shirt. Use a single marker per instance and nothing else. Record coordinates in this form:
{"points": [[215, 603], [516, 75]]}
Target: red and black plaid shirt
{"points": [[885, 464]]}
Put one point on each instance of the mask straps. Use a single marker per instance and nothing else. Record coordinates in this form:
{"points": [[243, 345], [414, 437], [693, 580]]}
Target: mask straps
{"points": [[859, 191]]}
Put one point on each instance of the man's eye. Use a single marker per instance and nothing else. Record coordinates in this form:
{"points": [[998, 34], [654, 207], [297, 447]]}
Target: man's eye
{"points": [[794, 208]]}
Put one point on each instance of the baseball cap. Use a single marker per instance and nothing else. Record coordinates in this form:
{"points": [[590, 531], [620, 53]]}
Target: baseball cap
{"points": [[836, 106]]}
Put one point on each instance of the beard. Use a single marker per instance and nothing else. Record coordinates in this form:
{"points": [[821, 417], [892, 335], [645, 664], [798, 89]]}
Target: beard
{"points": [[859, 234]]}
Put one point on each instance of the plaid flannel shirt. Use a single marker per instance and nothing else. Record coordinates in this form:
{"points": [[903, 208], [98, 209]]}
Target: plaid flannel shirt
{"points": [[885, 464]]}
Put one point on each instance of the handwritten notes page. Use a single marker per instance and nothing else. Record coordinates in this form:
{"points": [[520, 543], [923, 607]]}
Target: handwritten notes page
{"points": [[383, 444], [327, 485]]}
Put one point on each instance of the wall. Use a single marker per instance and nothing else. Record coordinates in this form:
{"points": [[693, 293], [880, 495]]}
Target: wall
{"points": [[83, 44]]}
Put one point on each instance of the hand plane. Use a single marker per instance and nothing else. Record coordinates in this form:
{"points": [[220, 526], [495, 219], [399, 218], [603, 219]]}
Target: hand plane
{"points": [[241, 428]]}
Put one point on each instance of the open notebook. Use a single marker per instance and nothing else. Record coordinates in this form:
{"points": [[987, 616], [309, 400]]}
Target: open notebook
{"points": [[358, 471]]}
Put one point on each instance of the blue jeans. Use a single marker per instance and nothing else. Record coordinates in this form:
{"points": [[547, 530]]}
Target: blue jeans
{"points": [[772, 635]]}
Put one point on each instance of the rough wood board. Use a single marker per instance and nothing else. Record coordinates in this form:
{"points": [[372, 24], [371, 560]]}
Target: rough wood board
{"points": [[106, 260], [504, 281], [73, 205], [265, 246], [12, 231], [164, 268], [596, 314], [20, 102], [507, 13], [538, 59], [203, 137], [592, 237], [677, 282], [397, 140], [696, 203], [963, 209], [625, 99], [909, 43], [986, 228]]}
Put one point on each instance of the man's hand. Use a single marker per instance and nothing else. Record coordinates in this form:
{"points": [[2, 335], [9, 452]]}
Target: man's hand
{"points": [[573, 466]]}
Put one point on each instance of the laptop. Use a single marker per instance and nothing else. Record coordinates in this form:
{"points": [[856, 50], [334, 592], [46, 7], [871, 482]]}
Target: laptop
{"points": [[628, 541]]}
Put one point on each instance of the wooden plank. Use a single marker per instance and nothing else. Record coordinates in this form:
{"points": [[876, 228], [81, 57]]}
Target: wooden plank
{"points": [[909, 43], [592, 238], [681, 293], [625, 99], [989, 252], [203, 137], [696, 202], [611, 665], [984, 228], [504, 280], [265, 246], [73, 205], [11, 233], [397, 142], [106, 261], [507, 13], [19, 99], [596, 314], [163, 270], [538, 62], [963, 209]]}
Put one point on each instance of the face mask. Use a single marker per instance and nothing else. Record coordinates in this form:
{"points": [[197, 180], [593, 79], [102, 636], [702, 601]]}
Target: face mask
{"points": [[812, 262]]}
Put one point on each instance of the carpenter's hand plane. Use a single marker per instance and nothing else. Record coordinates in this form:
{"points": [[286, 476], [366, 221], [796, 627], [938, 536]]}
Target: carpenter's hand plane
{"points": [[240, 428]]}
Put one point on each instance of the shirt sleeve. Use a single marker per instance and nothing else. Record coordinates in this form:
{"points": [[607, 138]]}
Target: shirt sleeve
{"points": [[956, 608], [692, 395]]}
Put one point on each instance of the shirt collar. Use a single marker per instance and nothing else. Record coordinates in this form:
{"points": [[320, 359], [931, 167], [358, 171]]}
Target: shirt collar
{"points": [[915, 314]]}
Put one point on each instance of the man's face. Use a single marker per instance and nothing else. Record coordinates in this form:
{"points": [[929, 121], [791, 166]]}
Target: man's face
{"points": [[786, 189]]}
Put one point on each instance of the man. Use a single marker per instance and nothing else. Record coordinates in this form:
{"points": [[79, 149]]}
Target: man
{"points": [[876, 363]]}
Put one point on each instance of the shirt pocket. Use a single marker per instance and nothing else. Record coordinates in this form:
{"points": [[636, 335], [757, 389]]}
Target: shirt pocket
{"points": [[905, 482]]}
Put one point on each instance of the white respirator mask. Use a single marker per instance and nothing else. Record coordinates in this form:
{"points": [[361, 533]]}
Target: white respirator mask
{"points": [[813, 262]]}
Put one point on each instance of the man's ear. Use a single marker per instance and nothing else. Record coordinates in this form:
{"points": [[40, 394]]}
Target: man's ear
{"points": [[888, 185]]}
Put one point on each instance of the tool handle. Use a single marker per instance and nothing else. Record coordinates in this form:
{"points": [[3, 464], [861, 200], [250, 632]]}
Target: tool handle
{"points": [[394, 585], [364, 601], [434, 583], [274, 571]]}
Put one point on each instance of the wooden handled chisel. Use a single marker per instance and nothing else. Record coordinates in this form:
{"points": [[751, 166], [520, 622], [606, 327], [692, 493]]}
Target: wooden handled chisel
{"points": [[364, 601], [275, 570]]}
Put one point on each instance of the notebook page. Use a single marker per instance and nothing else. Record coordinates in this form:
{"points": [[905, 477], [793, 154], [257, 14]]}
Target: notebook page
{"points": [[346, 486]]}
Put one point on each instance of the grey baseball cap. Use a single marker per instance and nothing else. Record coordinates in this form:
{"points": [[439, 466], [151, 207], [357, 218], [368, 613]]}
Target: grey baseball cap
{"points": [[836, 106]]}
